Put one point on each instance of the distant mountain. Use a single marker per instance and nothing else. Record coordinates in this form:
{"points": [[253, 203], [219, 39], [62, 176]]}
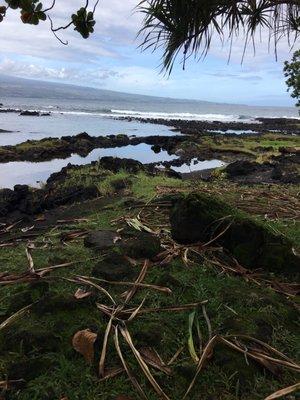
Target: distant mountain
{"points": [[19, 87]]}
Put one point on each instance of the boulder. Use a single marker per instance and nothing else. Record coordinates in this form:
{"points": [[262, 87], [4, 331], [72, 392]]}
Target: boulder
{"points": [[241, 167], [8, 199], [156, 148], [101, 240], [200, 218], [30, 113], [114, 267], [142, 245]]}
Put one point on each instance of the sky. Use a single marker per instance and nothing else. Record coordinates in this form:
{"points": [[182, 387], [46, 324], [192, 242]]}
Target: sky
{"points": [[111, 59]]}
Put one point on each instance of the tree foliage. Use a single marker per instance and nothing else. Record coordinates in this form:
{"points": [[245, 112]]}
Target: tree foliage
{"points": [[33, 12], [292, 72], [183, 26]]}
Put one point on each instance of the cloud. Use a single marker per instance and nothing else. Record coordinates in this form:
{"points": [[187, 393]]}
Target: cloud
{"points": [[35, 71], [242, 76], [133, 78], [109, 58], [116, 26]]}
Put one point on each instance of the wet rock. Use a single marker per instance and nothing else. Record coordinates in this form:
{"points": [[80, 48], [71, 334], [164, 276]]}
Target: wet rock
{"points": [[238, 168], [115, 164], [30, 113], [101, 240], [199, 218], [156, 148], [114, 267], [8, 199], [21, 190], [286, 174], [199, 127]]}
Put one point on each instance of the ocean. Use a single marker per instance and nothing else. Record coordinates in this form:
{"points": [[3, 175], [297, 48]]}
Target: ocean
{"points": [[76, 109]]}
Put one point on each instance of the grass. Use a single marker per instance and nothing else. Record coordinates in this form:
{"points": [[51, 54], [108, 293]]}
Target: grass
{"points": [[140, 185], [41, 341], [260, 147]]}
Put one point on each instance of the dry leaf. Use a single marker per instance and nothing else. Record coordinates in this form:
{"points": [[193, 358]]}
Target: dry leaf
{"points": [[81, 294], [83, 342]]}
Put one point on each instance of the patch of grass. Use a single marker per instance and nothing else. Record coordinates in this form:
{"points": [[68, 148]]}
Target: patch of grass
{"points": [[234, 306], [144, 186], [250, 145]]}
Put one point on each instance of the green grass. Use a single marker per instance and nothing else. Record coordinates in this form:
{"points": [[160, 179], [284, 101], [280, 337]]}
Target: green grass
{"points": [[251, 146], [234, 306]]}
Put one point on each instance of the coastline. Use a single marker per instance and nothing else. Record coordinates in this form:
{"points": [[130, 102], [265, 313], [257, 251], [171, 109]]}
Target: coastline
{"points": [[93, 231]]}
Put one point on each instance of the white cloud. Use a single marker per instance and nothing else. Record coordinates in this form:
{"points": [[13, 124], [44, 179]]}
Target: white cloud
{"points": [[134, 78], [115, 25], [109, 59]]}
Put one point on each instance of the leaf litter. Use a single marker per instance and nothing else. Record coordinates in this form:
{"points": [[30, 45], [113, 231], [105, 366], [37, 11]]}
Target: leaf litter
{"points": [[120, 314]]}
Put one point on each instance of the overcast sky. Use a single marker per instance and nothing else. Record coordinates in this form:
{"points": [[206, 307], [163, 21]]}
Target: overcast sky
{"points": [[110, 59]]}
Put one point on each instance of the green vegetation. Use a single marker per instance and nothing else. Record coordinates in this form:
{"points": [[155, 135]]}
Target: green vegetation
{"points": [[140, 185], [37, 347], [188, 28], [292, 73], [257, 147]]}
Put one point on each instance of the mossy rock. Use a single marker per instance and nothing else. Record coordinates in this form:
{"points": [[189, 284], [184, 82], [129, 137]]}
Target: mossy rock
{"points": [[142, 245], [100, 240], [200, 217], [114, 267]]}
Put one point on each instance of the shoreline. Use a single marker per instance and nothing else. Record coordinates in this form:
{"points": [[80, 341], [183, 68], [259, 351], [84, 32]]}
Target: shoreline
{"points": [[95, 233], [193, 143]]}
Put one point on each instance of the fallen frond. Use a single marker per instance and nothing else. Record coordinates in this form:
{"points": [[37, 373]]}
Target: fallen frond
{"points": [[284, 392], [15, 317], [130, 376], [125, 333]]}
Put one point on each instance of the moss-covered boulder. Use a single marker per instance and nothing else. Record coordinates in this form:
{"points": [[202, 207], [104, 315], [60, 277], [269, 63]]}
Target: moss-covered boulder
{"points": [[114, 267], [200, 218], [141, 245], [101, 240]]}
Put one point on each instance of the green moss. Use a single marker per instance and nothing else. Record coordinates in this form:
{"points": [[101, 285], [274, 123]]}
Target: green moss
{"points": [[200, 217]]}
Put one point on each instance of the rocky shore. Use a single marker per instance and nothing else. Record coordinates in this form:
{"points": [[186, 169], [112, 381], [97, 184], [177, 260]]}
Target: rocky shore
{"points": [[259, 125], [121, 264]]}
